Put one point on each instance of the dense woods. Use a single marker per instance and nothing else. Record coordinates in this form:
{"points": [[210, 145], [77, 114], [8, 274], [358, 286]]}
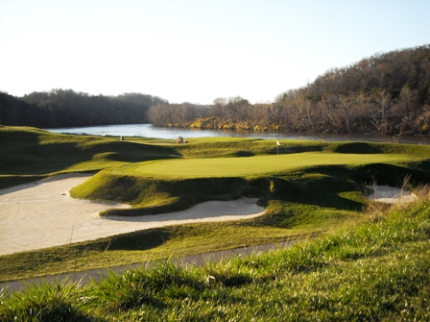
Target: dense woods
{"points": [[386, 94], [67, 108]]}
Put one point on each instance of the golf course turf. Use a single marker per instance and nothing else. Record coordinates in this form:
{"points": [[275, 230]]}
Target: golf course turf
{"points": [[354, 260], [225, 167], [308, 189]]}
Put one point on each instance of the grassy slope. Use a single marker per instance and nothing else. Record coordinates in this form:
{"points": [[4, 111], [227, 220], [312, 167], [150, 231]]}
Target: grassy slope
{"points": [[226, 167], [293, 207], [29, 152], [377, 270]]}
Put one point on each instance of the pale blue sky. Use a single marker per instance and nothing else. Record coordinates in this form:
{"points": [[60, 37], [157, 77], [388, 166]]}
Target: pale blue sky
{"points": [[196, 51]]}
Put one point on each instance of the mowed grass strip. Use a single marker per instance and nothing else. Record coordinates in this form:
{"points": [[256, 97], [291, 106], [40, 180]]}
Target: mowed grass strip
{"points": [[223, 167]]}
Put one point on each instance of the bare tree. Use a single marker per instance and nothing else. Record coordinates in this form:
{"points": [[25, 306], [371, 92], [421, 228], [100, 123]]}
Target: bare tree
{"points": [[383, 99], [408, 96], [347, 103], [161, 115], [329, 106]]}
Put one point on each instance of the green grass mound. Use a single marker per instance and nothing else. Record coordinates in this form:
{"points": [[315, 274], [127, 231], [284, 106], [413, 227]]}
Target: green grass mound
{"points": [[309, 189], [328, 186], [26, 151], [301, 202], [376, 270], [224, 167], [150, 195], [245, 147]]}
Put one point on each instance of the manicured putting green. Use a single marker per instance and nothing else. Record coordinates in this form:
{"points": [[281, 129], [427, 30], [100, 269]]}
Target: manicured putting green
{"points": [[222, 167]]}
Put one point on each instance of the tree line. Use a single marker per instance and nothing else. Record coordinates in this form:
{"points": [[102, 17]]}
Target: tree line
{"points": [[67, 108], [386, 94]]}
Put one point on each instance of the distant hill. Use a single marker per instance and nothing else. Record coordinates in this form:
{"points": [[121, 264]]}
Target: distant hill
{"points": [[391, 72], [386, 94], [67, 108], [16, 112]]}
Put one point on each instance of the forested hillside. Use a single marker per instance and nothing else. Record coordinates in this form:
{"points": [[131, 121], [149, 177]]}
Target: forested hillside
{"points": [[386, 94], [67, 108]]}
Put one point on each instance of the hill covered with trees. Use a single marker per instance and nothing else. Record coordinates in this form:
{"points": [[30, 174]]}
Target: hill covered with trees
{"points": [[386, 94], [67, 108]]}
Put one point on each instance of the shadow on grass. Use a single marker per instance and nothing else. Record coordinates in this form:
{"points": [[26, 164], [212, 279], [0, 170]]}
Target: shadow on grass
{"points": [[138, 240], [319, 186], [245, 154], [25, 152], [296, 149], [358, 147], [392, 175]]}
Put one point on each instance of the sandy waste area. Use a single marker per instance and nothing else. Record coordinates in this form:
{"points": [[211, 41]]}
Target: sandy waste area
{"points": [[42, 214], [387, 194]]}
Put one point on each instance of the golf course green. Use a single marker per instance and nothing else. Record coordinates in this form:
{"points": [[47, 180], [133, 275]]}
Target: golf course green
{"points": [[309, 189], [225, 167]]}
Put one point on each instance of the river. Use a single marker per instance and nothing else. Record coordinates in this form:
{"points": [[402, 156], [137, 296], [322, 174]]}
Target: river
{"points": [[149, 131]]}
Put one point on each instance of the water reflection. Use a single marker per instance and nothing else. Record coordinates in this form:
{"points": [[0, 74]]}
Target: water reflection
{"points": [[149, 131]]}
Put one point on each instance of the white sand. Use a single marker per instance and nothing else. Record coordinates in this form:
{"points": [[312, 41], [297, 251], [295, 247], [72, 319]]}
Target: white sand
{"points": [[42, 214], [387, 194]]}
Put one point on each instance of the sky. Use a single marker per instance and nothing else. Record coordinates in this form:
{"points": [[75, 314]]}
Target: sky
{"points": [[196, 50]]}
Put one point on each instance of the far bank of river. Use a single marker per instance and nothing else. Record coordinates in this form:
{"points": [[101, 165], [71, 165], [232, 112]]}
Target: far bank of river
{"points": [[149, 131]]}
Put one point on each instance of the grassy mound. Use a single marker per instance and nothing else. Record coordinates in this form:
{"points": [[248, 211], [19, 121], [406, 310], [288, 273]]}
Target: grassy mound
{"points": [[159, 195], [375, 270], [225, 167], [327, 186], [29, 151], [26, 151], [317, 186], [239, 147], [153, 196]]}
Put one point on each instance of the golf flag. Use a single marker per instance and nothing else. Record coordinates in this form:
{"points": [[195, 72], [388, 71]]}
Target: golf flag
{"points": [[277, 143]]}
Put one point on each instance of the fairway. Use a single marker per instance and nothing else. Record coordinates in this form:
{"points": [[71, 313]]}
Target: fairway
{"points": [[223, 167]]}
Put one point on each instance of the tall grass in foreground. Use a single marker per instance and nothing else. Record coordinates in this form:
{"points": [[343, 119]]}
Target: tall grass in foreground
{"points": [[378, 270]]}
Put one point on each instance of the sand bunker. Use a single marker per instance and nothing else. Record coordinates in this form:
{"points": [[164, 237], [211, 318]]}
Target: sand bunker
{"points": [[388, 194], [42, 214]]}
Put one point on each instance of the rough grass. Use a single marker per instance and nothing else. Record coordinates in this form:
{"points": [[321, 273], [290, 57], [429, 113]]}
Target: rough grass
{"points": [[377, 270]]}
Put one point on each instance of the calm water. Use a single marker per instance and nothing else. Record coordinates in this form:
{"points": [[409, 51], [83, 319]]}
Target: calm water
{"points": [[149, 131]]}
